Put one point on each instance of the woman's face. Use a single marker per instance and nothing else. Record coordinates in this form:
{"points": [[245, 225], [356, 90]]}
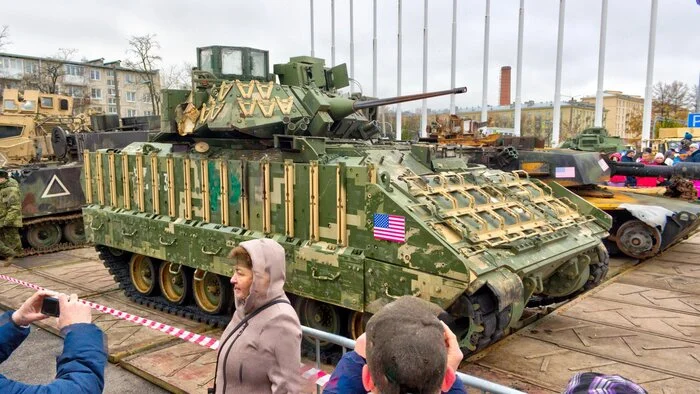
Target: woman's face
{"points": [[241, 280], [659, 160]]}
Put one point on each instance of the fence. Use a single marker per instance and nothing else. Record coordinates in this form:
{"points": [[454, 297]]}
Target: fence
{"points": [[470, 381]]}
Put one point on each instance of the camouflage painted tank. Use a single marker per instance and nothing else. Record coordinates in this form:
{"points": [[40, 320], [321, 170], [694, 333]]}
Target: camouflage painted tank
{"points": [[41, 144], [362, 223]]}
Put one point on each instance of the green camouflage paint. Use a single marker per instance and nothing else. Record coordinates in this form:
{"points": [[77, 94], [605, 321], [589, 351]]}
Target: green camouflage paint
{"points": [[471, 235]]}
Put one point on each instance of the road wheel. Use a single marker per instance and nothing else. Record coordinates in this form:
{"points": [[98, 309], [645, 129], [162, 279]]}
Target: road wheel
{"points": [[74, 232], [44, 235], [357, 321], [212, 293], [598, 269], [638, 240], [143, 271], [174, 287], [321, 316]]}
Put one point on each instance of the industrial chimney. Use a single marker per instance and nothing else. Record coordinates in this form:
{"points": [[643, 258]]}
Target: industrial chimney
{"points": [[505, 86]]}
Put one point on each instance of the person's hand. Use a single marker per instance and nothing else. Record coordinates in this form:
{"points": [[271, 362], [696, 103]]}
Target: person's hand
{"points": [[30, 311], [72, 311], [361, 345], [454, 354]]}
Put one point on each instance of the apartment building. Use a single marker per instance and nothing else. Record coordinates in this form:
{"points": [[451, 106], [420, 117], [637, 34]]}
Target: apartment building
{"points": [[620, 107], [537, 118], [104, 86]]}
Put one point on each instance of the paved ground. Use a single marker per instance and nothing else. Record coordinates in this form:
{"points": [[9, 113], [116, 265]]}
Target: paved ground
{"points": [[34, 362]]}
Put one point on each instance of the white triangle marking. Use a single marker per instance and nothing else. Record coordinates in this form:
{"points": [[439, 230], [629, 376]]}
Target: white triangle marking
{"points": [[65, 191]]}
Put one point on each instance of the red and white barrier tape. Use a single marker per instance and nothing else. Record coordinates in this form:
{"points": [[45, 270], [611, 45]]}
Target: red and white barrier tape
{"points": [[318, 376]]}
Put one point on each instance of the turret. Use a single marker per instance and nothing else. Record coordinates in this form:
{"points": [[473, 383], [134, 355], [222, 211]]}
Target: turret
{"points": [[233, 96]]}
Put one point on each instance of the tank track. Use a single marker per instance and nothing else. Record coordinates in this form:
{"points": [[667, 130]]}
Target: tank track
{"points": [[490, 324], [30, 251], [119, 268]]}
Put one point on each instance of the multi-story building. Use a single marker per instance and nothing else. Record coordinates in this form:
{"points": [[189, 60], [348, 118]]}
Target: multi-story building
{"points": [[621, 109], [537, 118], [107, 87]]}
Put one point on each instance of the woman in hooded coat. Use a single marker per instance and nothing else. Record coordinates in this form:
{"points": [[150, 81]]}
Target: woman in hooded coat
{"points": [[260, 350]]}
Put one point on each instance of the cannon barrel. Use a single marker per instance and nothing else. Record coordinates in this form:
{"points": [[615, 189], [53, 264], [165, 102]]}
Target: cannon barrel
{"points": [[358, 105], [341, 107], [683, 170]]}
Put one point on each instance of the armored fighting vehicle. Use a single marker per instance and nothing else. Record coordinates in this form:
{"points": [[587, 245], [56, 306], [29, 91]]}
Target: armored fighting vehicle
{"points": [[594, 139], [41, 144], [251, 154], [644, 224]]}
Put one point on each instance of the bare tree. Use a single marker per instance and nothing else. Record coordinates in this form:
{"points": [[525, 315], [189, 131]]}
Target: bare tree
{"points": [[672, 100], [65, 54], [4, 35], [145, 59], [176, 76]]}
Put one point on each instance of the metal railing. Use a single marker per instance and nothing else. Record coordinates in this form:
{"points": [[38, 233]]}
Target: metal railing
{"points": [[469, 381]]}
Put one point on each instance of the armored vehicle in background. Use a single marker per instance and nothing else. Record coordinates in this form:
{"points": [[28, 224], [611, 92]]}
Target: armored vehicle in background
{"points": [[594, 139], [362, 224], [41, 144], [643, 224]]}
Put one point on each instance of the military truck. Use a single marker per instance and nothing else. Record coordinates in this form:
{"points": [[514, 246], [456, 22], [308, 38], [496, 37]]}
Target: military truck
{"points": [[249, 154], [41, 144]]}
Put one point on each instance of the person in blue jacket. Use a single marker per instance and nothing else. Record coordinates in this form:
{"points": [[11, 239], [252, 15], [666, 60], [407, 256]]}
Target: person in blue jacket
{"points": [[79, 368], [694, 154], [347, 377]]}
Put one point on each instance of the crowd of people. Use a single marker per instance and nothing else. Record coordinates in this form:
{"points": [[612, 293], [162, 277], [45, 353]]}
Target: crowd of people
{"points": [[686, 152], [407, 346]]}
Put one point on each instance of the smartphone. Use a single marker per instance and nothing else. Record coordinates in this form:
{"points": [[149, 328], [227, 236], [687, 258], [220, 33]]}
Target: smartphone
{"points": [[50, 307]]}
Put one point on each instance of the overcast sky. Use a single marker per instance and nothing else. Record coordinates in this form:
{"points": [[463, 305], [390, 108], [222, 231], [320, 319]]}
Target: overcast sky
{"points": [[101, 29]]}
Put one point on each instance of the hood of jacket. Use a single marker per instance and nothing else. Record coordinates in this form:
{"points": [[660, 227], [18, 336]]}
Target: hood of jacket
{"points": [[268, 259]]}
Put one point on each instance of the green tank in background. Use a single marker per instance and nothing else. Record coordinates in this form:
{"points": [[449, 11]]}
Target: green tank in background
{"points": [[363, 223], [41, 145], [594, 139]]}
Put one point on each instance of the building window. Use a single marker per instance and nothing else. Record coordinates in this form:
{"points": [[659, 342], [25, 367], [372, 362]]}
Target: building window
{"points": [[131, 112], [74, 91], [112, 100], [96, 94], [110, 82], [146, 98], [72, 69], [95, 75], [112, 110], [148, 113], [31, 68], [130, 78], [131, 96], [112, 92], [11, 67], [110, 73]]}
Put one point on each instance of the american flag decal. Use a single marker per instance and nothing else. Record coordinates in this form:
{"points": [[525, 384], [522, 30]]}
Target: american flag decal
{"points": [[389, 227]]}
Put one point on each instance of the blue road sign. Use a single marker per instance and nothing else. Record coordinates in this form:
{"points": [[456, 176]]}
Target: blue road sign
{"points": [[694, 119]]}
